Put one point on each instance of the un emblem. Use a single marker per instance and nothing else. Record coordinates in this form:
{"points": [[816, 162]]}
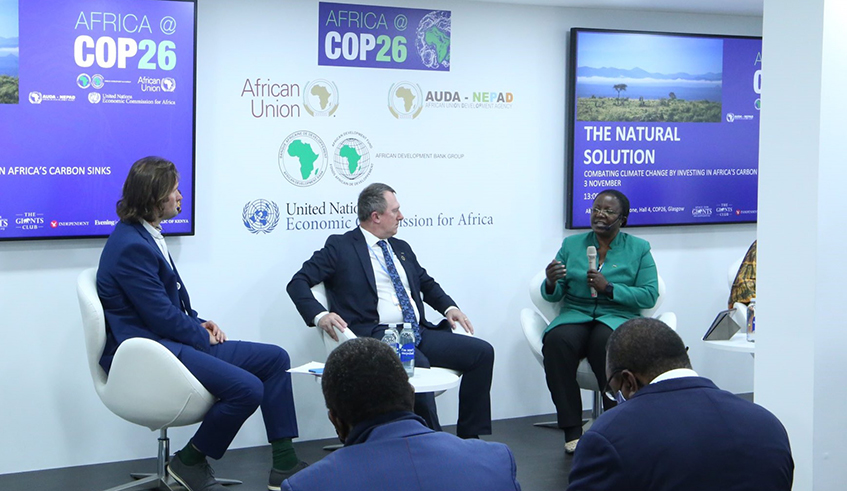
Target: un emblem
{"points": [[260, 215]]}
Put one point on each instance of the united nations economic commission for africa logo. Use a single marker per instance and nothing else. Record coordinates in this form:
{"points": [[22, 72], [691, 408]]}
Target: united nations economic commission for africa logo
{"points": [[351, 158], [405, 100], [303, 158], [260, 216]]}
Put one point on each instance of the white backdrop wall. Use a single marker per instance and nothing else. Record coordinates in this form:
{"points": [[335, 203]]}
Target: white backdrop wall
{"points": [[512, 169]]}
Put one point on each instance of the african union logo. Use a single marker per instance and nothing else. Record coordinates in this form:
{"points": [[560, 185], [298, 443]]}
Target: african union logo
{"points": [[320, 98], [260, 215], [351, 158], [303, 158], [83, 81], [35, 97], [405, 100], [168, 84], [432, 39]]}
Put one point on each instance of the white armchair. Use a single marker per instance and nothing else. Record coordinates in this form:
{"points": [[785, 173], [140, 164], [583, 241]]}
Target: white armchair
{"points": [[535, 322], [146, 385]]}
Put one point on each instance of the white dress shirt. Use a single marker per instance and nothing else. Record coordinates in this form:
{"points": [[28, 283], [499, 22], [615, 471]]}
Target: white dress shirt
{"points": [[388, 306], [156, 233]]}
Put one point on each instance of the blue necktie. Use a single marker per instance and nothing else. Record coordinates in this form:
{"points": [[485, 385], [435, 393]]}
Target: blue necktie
{"points": [[405, 303]]}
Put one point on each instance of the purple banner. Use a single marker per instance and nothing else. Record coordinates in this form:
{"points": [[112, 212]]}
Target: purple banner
{"points": [[383, 37], [672, 121], [100, 84]]}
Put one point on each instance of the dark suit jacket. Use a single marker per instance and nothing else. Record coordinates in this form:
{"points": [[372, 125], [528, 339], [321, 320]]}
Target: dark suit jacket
{"points": [[344, 266], [684, 434], [405, 455], [143, 296]]}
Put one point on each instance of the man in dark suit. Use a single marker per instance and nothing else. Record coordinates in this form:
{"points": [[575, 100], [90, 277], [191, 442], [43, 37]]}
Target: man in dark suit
{"points": [[386, 446], [673, 429], [143, 296], [373, 280]]}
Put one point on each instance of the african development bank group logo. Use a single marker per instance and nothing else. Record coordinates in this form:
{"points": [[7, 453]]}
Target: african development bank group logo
{"points": [[320, 98], [405, 100], [351, 158], [260, 216], [303, 158]]}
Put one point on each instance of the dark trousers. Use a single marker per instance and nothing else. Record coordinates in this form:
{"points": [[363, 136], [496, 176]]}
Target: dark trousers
{"points": [[564, 346], [471, 356], [243, 376]]}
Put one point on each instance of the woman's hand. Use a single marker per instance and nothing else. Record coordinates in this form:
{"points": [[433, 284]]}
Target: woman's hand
{"points": [[555, 272], [596, 280]]}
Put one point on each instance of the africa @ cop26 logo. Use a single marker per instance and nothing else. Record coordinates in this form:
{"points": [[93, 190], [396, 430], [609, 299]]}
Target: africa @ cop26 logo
{"points": [[302, 158], [260, 215], [320, 98], [405, 100]]}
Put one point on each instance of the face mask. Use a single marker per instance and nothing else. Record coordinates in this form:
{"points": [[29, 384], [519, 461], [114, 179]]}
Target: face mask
{"points": [[619, 398]]}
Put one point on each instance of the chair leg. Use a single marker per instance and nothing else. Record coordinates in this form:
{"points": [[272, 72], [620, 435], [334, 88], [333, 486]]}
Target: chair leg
{"points": [[160, 480], [547, 424], [597, 410]]}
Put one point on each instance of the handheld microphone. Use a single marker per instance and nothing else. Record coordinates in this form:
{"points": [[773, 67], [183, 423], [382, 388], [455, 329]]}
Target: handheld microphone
{"points": [[592, 264]]}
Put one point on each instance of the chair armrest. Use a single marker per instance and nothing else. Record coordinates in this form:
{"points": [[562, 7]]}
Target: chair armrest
{"points": [[548, 310], [329, 343], [533, 326], [461, 331]]}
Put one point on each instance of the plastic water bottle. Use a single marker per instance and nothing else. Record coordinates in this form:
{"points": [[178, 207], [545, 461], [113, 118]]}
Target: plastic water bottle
{"points": [[407, 349], [391, 338], [751, 321]]}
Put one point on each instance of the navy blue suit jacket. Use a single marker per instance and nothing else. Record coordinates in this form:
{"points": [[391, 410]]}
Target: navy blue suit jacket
{"points": [[143, 295], [405, 455], [344, 266], [684, 434]]}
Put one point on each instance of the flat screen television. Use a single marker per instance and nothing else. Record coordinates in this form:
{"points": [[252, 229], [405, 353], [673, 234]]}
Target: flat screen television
{"points": [[671, 120], [87, 87]]}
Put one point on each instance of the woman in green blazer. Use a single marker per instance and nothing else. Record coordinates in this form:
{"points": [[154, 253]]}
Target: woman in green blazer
{"points": [[625, 282]]}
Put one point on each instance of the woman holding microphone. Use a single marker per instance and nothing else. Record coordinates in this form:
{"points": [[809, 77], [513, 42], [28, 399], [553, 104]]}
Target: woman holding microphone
{"points": [[598, 295]]}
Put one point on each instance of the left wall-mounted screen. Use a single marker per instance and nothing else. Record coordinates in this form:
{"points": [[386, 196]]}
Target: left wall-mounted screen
{"points": [[87, 87]]}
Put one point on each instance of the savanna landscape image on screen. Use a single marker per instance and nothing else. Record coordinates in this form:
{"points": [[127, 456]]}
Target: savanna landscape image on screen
{"points": [[648, 78], [9, 61]]}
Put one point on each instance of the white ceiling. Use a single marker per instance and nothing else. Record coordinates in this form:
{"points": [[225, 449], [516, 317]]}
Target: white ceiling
{"points": [[727, 7]]}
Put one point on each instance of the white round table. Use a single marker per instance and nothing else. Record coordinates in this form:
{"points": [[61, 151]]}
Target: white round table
{"points": [[433, 379], [738, 343]]}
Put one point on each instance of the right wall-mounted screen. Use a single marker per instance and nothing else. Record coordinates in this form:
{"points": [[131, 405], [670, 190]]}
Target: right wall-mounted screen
{"points": [[671, 120]]}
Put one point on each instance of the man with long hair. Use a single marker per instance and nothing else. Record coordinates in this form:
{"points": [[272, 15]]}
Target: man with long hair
{"points": [[143, 296]]}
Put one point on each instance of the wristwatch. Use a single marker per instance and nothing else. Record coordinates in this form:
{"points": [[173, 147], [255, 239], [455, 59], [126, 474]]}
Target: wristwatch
{"points": [[609, 290]]}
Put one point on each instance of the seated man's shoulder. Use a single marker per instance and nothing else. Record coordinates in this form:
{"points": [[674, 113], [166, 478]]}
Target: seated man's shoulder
{"points": [[471, 448], [346, 237]]}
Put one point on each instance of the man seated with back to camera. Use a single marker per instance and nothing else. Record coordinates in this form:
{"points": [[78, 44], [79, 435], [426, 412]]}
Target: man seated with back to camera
{"points": [[143, 296], [386, 446], [675, 430]]}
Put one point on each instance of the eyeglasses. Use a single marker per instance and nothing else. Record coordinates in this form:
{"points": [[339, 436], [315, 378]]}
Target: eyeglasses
{"points": [[606, 211], [607, 390]]}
